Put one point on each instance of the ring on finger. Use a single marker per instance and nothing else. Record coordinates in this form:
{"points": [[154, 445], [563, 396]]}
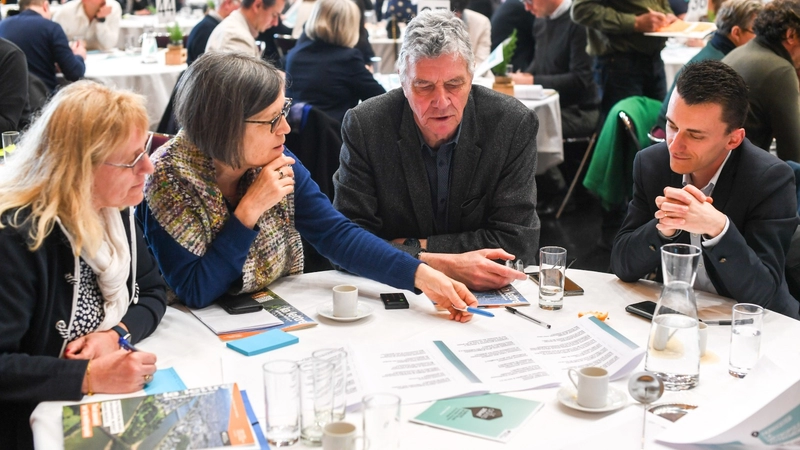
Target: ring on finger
{"points": [[148, 378], [281, 175]]}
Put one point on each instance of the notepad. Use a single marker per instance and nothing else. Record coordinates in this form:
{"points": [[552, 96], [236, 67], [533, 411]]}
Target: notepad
{"points": [[164, 380], [264, 342]]}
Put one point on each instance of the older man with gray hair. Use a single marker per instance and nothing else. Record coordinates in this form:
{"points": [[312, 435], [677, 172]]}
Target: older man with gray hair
{"points": [[237, 33], [441, 168]]}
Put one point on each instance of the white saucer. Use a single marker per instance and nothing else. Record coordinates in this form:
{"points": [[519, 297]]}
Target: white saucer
{"points": [[362, 310], [568, 397]]}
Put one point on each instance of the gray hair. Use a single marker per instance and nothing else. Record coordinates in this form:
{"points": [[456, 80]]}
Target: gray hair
{"points": [[215, 96], [431, 34], [739, 13]]}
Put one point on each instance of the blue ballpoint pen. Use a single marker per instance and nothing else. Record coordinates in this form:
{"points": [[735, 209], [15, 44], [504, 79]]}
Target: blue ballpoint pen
{"points": [[475, 311], [123, 343]]}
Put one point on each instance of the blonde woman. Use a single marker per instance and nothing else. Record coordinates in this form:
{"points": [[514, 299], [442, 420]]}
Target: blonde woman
{"points": [[76, 272], [324, 69]]}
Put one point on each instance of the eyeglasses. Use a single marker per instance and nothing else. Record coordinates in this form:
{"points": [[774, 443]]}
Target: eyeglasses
{"points": [[138, 158], [274, 122]]}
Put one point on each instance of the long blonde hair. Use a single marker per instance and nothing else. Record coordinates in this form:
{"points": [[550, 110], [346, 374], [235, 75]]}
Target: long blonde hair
{"points": [[335, 22], [51, 173]]}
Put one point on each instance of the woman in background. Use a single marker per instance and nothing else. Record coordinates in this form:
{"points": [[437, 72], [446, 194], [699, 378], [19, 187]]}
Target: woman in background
{"points": [[76, 273], [324, 69]]}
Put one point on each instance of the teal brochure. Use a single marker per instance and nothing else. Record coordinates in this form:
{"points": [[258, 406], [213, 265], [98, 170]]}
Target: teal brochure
{"points": [[490, 416]]}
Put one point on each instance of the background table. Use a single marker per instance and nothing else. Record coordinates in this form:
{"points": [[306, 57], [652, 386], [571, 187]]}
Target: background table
{"points": [[182, 342], [132, 27], [154, 81], [675, 58]]}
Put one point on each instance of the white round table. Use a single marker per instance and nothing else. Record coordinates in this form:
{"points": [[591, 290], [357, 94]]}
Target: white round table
{"points": [[131, 27], [154, 81], [675, 58]]}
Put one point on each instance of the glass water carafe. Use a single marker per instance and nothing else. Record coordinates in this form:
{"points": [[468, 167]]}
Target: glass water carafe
{"points": [[673, 350], [149, 45]]}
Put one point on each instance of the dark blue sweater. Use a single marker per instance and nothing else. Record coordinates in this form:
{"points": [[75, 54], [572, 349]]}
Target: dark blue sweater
{"points": [[198, 38], [44, 44], [199, 280]]}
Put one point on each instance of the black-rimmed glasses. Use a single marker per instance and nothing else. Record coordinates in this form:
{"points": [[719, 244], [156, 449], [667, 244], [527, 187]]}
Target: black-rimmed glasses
{"points": [[138, 158], [274, 122]]}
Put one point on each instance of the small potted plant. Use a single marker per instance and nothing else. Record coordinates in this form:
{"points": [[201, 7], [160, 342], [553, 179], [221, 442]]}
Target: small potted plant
{"points": [[502, 82], [176, 54]]}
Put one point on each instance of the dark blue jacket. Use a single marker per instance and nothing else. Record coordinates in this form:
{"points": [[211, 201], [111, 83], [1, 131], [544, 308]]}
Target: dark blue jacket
{"points": [[198, 38], [44, 44], [330, 77]]}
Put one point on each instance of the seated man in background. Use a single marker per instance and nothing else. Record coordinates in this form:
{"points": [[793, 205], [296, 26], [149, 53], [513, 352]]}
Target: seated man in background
{"points": [[94, 21], [198, 38], [441, 168], [508, 16], [769, 65], [479, 29], [44, 43], [14, 106], [734, 28], [745, 231], [560, 62], [237, 33]]}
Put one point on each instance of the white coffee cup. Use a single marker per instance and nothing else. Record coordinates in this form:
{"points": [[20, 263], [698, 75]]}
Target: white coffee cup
{"points": [[702, 328], [339, 436], [345, 300], [592, 386]]}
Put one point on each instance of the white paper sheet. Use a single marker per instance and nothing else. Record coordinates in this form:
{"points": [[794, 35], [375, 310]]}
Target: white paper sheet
{"points": [[220, 322]]}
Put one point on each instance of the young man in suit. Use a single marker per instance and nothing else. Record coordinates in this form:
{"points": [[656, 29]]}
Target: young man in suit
{"points": [[441, 168], [708, 186]]}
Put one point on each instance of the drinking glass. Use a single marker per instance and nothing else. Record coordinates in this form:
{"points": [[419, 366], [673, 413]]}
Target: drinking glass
{"points": [[381, 422], [316, 398], [282, 397], [337, 357], [745, 338], [10, 139], [552, 268]]}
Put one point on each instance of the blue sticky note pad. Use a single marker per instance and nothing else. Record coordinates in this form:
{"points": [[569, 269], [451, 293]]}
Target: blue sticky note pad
{"points": [[264, 342], [164, 380]]}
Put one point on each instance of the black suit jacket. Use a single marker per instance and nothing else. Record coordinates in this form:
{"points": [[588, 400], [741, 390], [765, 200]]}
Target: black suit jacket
{"points": [[198, 38], [382, 185], [756, 191]]}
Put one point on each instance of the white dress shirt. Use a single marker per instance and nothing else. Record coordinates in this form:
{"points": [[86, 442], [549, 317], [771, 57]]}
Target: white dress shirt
{"points": [[98, 35]]}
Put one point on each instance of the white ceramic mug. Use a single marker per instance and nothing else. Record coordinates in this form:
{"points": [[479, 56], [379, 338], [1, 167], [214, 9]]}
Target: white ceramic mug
{"points": [[592, 386], [345, 300], [339, 436], [702, 328]]}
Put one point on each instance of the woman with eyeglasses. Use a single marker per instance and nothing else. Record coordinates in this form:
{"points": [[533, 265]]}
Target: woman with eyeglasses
{"points": [[227, 204], [75, 273]]}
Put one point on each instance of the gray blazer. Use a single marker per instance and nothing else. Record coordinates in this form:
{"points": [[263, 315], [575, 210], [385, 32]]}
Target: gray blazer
{"points": [[382, 185]]}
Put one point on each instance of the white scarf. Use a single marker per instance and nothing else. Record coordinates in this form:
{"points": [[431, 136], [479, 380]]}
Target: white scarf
{"points": [[112, 266]]}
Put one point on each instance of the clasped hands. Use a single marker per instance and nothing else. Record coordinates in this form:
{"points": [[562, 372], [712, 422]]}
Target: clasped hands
{"points": [[113, 370], [690, 210]]}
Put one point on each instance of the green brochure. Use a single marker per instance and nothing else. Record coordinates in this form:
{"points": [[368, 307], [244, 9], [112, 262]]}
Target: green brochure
{"points": [[490, 416]]}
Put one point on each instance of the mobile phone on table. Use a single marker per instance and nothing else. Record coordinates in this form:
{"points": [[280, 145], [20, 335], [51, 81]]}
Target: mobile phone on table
{"points": [[644, 309], [396, 300], [239, 304], [570, 287]]}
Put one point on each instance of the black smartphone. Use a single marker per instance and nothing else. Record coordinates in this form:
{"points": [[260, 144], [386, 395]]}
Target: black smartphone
{"points": [[644, 309], [239, 304], [396, 300], [570, 287]]}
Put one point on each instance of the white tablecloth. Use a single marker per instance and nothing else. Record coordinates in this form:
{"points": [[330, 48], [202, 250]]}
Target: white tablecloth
{"points": [[676, 57], [133, 26], [154, 81], [200, 359]]}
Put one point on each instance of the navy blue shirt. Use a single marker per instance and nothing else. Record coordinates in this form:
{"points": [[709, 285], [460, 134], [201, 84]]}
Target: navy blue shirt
{"points": [[198, 38], [44, 44], [437, 166]]}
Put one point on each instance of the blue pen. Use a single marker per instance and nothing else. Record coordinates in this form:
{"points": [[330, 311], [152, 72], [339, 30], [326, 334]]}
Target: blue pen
{"points": [[475, 311], [123, 343]]}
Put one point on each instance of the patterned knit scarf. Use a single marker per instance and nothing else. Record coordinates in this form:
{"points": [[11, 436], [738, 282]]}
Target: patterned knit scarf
{"points": [[186, 201]]}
